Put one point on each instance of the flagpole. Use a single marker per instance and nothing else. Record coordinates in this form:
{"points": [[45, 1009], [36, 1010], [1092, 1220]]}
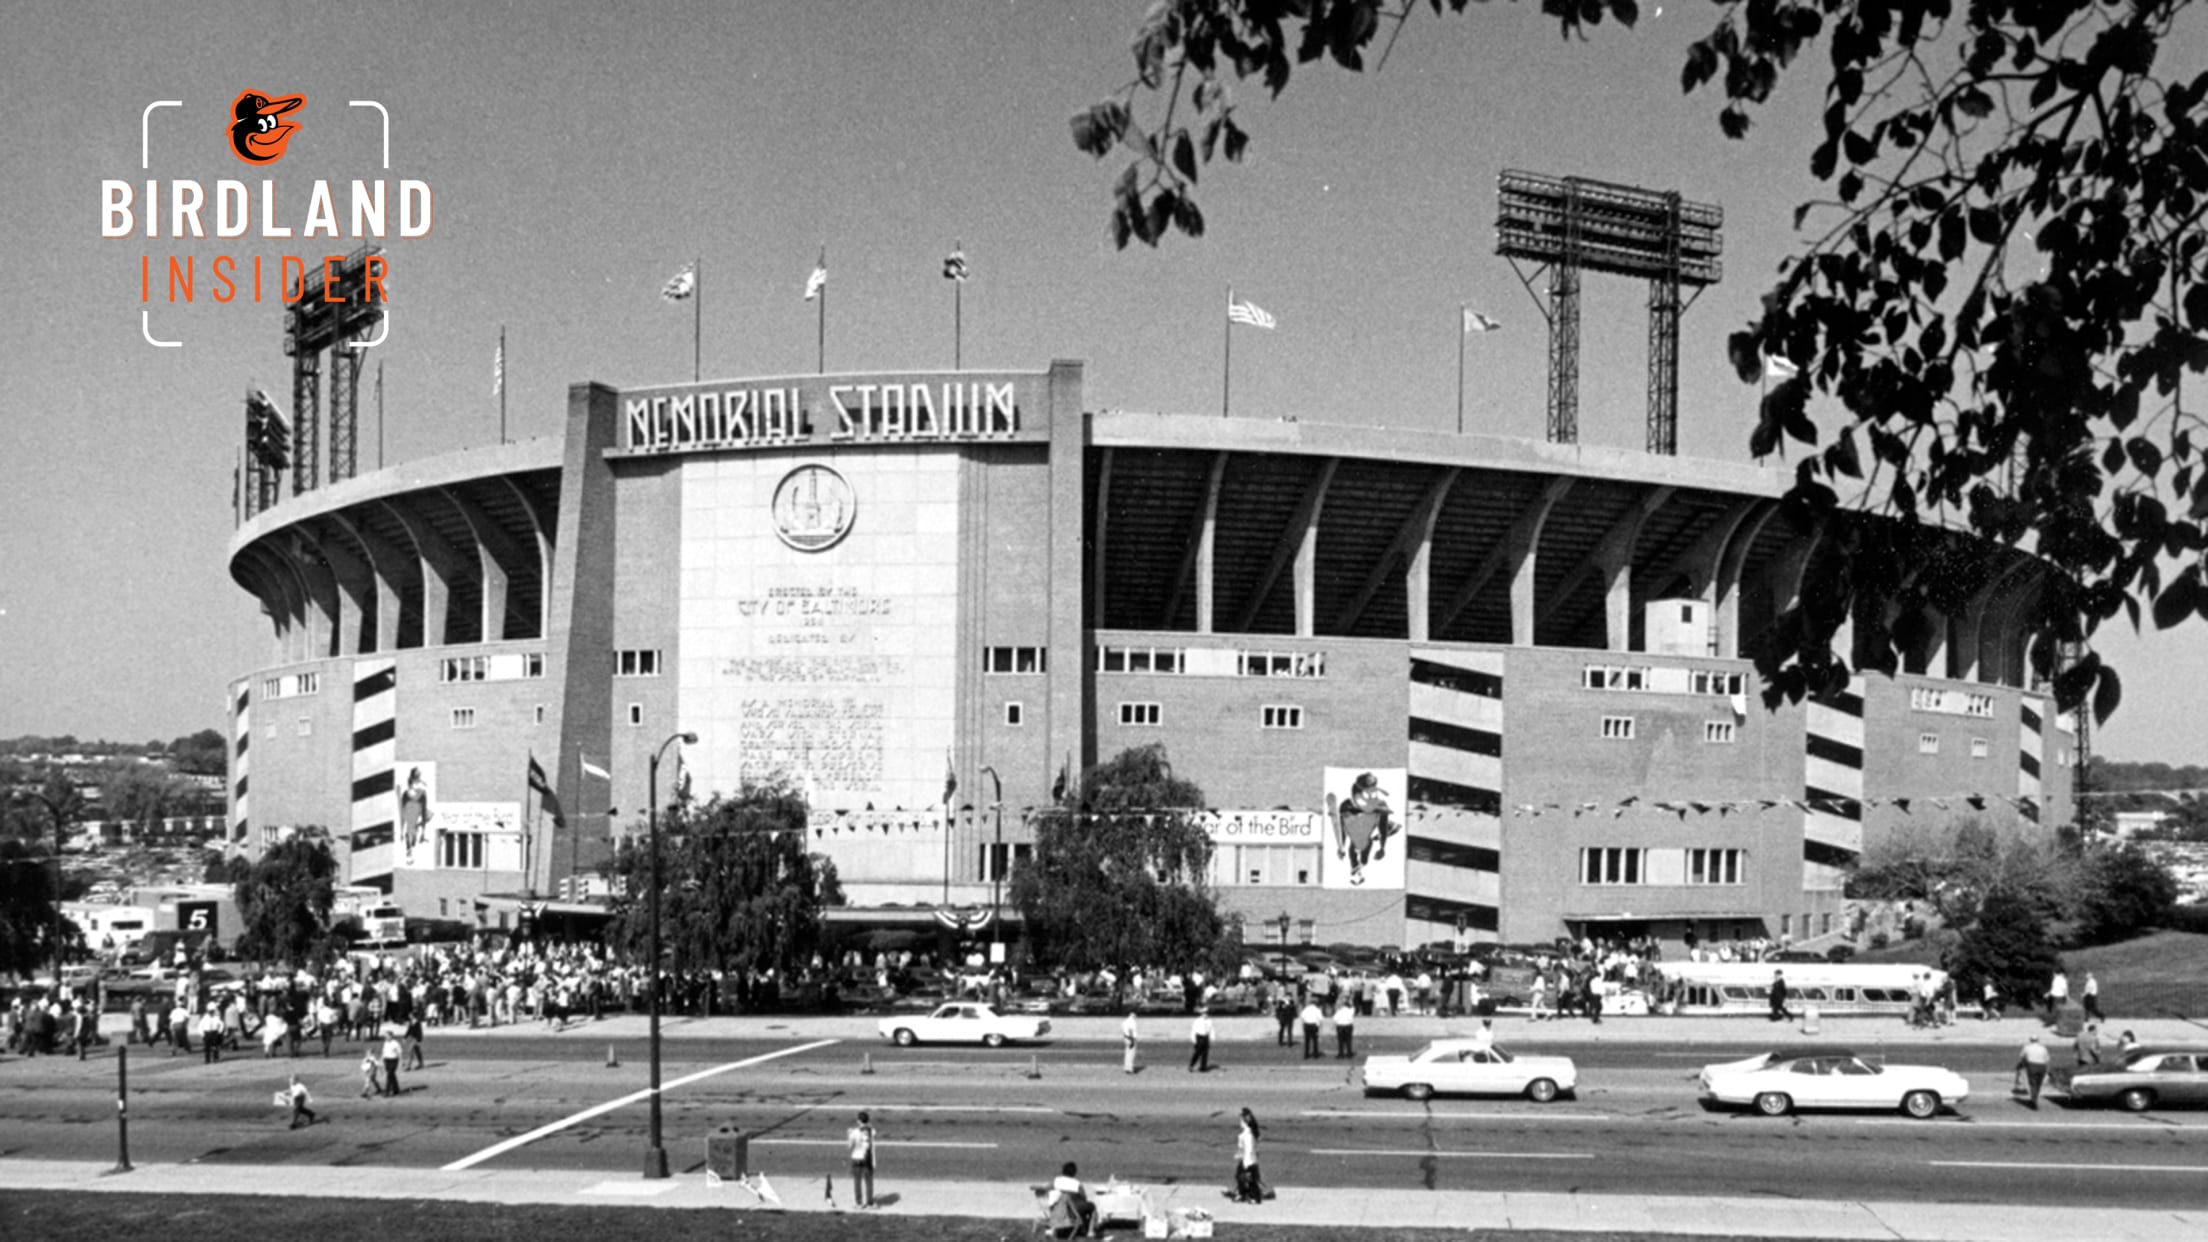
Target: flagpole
{"points": [[958, 324], [822, 357], [1461, 334], [697, 317], [502, 383], [1226, 370], [379, 414]]}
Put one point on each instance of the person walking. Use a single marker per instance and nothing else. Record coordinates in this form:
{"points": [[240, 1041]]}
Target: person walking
{"points": [[1249, 1187], [2087, 1046], [1311, 1019], [1540, 1003], [370, 1071], [1345, 1030], [2092, 998], [1199, 1039], [325, 1022], [210, 1035], [859, 1140], [1989, 1002], [1127, 1039], [2058, 994], [2031, 1069], [1778, 997], [414, 1042], [1284, 1013], [391, 1054], [301, 1112]]}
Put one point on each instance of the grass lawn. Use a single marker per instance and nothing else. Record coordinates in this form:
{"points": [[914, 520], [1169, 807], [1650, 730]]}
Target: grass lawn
{"points": [[2161, 974], [53, 1216]]}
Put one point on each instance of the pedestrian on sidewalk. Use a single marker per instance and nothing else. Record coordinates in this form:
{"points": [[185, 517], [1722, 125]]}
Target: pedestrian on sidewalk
{"points": [[1284, 1013], [2092, 998], [1249, 1187], [325, 1021], [210, 1035], [1345, 1030], [2031, 1070], [391, 1054], [301, 1113], [860, 1141], [2058, 994], [370, 1070], [1199, 1038], [1311, 1019], [1127, 1038], [414, 1042], [1778, 997], [2087, 1046]]}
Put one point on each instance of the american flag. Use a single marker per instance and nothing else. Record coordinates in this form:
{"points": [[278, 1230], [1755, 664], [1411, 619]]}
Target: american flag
{"points": [[681, 285], [954, 267], [1252, 314]]}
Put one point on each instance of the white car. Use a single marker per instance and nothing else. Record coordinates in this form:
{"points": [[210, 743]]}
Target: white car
{"points": [[1462, 1066], [1777, 1083], [962, 1022]]}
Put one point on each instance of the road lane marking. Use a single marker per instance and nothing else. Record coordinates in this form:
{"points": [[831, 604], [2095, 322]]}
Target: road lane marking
{"points": [[1455, 1155], [1976, 1123], [2069, 1168], [878, 1142], [963, 1108], [499, 1149], [1397, 1114]]}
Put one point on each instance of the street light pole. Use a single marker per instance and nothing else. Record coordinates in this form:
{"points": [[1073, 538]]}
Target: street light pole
{"points": [[996, 863], [53, 811], [655, 1156]]}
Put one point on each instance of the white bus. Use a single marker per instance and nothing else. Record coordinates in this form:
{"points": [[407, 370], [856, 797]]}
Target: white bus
{"points": [[1833, 988]]}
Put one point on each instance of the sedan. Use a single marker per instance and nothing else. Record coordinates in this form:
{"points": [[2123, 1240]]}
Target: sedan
{"points": [[962, 1022], [2148, 1076], [1777, 1083], [1465, 1067]]}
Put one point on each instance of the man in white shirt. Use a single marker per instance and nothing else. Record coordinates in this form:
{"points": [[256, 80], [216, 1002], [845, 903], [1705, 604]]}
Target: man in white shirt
{"points": [[1199, 1038], [1345, 1030], [1311, 1018], [1127, 1037], [1067, 1206]]}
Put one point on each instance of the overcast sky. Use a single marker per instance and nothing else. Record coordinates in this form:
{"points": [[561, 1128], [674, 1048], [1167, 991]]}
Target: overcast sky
{"points": [[582, 154]]}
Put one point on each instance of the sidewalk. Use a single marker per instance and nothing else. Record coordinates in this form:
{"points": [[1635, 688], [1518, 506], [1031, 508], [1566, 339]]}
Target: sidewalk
{"points": [[1328, 1208]]}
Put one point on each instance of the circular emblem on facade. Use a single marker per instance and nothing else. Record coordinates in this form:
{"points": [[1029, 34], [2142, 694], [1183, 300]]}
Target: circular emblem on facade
{"points": [[813, 508]]}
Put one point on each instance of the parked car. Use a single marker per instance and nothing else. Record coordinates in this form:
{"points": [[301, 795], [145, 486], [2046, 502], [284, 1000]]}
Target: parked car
{"points": [[2147, 1078], [962, 1022], [1463, 1067], [1777, 1083]]}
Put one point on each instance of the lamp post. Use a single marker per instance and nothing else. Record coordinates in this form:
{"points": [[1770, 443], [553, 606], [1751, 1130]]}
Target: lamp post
{"points": [[1285, 922], [655, 1156], [996, 864]]}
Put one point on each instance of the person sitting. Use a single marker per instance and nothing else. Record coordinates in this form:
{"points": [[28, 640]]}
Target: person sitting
{"points": [[1067, 1207]]}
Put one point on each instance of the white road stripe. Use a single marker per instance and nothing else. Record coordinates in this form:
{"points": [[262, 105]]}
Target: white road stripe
{"points": [[882, 1143], [1397, 1114], [1456, 1155], [962, 1108], [499, 1149], [2070, 1168]]}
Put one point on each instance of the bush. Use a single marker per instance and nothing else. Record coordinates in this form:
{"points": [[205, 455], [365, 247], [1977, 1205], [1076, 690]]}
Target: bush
{"points": [[2192, 918], [1840, 953], [1912, 928], [1880, 940]]}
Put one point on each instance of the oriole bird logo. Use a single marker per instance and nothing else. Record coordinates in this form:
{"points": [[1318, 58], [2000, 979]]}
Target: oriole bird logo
{"points": [[256, 135]]}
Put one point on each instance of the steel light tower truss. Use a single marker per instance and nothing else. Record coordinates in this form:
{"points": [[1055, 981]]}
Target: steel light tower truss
{"points": [[314, 325], [1574, 224]]}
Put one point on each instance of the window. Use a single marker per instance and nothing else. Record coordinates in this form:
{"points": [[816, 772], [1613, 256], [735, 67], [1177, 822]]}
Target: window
{"points": [[1014, 715], [1617, 728], [532, 664], [636, 713], [1280, 664], [996, 861], [1141, 714], [1978, 748], [1928, 743], [539, 714], [1978, 705], [272, 688], [639, 662], [1015, 660], [1614, 677], [1611, 865], [461, 851], [306, 727], [1141, 660], [463, 717], [310, 683], [463, 668], [1281, 717], [1721, 732], [1706, 681], [1715, 867]]}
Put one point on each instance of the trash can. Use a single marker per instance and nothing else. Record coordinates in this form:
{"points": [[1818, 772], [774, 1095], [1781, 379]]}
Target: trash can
{"points": [[727, 1153]]}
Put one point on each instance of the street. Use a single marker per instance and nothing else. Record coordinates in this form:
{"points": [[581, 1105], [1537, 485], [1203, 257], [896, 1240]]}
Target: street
{"points": [[526, 1099]]}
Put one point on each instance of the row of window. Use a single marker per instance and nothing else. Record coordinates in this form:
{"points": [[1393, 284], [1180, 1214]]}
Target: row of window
{"points": [[290, 685], [1645, 677], [1620, 865], [1150, 715], [1210, 662], [1952, 702], [1714, 732], [1929, 744]]}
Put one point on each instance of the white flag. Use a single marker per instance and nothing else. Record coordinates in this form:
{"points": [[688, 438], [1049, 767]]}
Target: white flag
{"points": [[1474, 321], [1251, 314], [1779, 368], [817, 281], [498, 370], [681, 285], [592, 769]]}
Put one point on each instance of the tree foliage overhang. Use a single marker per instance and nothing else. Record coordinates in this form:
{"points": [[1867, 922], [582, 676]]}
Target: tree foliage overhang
{"points": [[2004, 300]]}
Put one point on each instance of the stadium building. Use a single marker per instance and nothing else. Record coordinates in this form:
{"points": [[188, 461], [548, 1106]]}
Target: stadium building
{"points": [[881, 587]]}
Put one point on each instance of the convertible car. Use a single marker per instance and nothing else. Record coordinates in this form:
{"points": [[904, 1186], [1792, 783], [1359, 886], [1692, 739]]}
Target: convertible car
{"points": [[962, 1022], [1777, 1083], [1463, 1067]]}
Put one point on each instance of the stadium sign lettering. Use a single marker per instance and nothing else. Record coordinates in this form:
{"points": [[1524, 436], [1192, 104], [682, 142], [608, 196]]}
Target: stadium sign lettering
{"points": [[886, 412], [1265, 827]]}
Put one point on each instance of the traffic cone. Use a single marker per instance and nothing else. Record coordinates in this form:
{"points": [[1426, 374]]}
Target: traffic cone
{"points": [[612, 1061], [866, 1063], [1034, 1067]]}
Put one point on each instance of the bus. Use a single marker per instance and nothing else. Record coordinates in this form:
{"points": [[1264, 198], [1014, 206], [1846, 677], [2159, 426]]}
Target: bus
{"points": [[1833, 988]]}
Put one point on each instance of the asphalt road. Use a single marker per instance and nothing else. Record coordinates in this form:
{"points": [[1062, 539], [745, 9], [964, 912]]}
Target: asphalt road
{"points": [[951, 1113]]}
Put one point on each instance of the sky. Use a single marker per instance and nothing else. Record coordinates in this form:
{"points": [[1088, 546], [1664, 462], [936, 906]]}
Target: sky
{"points": [[580, 155]]}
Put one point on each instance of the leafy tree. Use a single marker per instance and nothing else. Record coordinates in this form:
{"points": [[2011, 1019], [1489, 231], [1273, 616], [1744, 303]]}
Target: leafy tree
{"points": [[204, 753], [26, 906], [740, 891], [2121, 892], [139, 793], [2009, 945], [2003, 296], [1118, 878], [1954, 868], [284, 900]]}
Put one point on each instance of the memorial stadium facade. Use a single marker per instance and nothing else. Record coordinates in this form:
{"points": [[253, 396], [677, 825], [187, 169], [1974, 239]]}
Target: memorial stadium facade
{"points": [[883, 587]]}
